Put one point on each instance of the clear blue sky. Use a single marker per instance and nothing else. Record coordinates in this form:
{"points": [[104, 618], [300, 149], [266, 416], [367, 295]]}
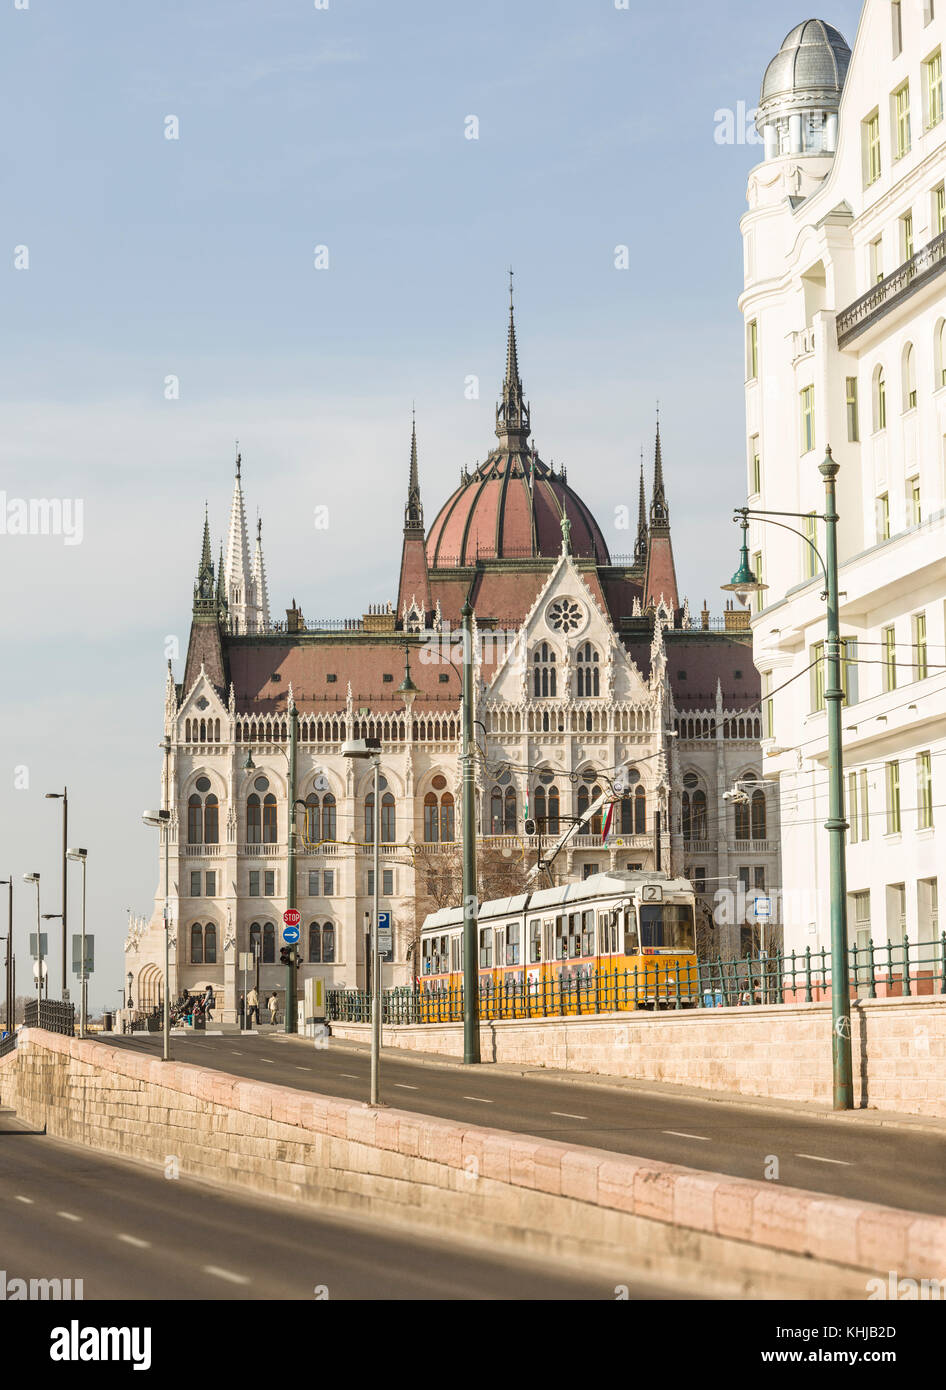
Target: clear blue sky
{"points": [[344, 128]]}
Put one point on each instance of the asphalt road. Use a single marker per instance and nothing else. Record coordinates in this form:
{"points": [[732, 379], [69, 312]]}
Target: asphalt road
{"points": [[902, 1167], [128, 1232]]}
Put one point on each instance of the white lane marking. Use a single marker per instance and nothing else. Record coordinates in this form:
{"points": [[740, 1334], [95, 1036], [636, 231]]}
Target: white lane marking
{"points": [[566, 1116], [27, 1200], [350, 1075], [482, 1100], [136, 1241], [816, 1158], [303, 1068], [403, 1086], [269, 1060], [235, 1054], [226, 1274], [678, 1134], [68, 1216]]}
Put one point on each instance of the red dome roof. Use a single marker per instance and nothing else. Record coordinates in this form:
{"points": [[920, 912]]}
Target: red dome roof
{"points": [[512, 507]]}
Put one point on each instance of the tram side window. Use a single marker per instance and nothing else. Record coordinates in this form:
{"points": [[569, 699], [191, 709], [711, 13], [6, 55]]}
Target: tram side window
{"points": [[574, 932], [486, 948], [535, 940], [607, 933], [630, 933], [588, 933], [512, 943], [455, 953], [425, 957], [561, 938]]}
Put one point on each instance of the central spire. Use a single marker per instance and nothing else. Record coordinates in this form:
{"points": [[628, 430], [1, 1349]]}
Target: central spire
{"points": [[659, 511], [512, 412]]}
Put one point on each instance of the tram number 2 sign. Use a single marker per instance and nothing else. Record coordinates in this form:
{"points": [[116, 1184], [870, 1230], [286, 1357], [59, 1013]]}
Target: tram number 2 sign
{"points": [[652, 893]]}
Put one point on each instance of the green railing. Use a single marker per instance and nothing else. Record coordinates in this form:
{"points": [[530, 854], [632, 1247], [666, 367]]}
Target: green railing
{"points": [[885, 970]]}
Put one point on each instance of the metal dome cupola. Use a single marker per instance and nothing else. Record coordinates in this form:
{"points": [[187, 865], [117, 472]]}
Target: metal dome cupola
{"points": [[801, 92]]}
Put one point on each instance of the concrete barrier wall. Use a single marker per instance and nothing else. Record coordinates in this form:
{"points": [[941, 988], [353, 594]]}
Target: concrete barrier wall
{"points": [[782, 1051], [626, 1216]]}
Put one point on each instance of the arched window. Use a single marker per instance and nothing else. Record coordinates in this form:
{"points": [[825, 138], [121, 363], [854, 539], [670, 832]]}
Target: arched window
{"points": [[589, 676], [447, 818], [269, 943], [880, 400], [758, 815], [253, 820], [312, 818], [269, 819], [321, 944], [543, 672], [195, 818], [509, 816], [369, 818], [686, 823], [315, 944], [939, 355], [640, 812], [387, 818], [431, 819], [553, 810], [909, 378], [210, 944], [698, 819], [742, 820], [541, 811], [211, 820], [197, 944], [496, 811], [328, 816], [256, 939], [627, 814], [585, 799]]}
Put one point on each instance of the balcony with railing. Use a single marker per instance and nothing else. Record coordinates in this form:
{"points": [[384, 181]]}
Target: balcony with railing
{"points": [[889, 293]]}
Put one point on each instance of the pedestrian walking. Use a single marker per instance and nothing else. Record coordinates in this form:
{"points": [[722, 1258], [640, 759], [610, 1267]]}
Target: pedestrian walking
{"points": [[210, 1003], [242, 1010], [272, 1003], [252, 1008]]}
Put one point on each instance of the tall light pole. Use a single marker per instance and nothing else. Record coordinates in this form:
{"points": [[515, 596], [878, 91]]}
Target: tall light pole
{"points": [[744, 582], [9, 960], [162, 819], [371, 748], [79, 856], [471, 982], [63, 796], [34, 878]]}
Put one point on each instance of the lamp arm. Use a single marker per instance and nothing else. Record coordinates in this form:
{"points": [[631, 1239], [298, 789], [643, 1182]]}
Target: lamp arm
{"points": [[767, 517]]}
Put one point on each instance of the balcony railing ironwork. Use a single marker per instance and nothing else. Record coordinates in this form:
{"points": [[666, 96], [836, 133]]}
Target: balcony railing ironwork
{"points": [[55, 1016], [881, 298]]}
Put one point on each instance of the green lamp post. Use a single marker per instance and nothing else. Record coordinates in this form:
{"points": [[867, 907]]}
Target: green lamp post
{"points": [[743, 583]]}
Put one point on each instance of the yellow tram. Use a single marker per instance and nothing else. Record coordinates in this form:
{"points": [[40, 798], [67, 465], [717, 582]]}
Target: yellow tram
{"points": [[615, 941]]}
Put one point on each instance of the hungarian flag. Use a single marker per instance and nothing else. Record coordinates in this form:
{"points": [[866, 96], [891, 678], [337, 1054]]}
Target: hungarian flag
{"points": [[607, 822]]}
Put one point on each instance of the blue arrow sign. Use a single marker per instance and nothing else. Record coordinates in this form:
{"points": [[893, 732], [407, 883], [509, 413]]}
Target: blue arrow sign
{"points": [[290, 934]]}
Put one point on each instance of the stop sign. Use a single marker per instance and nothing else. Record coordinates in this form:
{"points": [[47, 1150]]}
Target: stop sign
{"points": [[292, 917]]}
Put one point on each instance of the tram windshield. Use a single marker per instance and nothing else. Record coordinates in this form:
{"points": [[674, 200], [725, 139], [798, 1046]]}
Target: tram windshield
{"points": [[667, 926]]}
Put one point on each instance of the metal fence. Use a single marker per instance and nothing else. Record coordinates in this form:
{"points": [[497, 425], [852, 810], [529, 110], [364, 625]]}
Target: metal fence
{"points": [[55, 1015], [7, 1044], [883, 970]]}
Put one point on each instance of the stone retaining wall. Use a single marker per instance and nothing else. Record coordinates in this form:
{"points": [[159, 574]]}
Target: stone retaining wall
{"points": [[626, 1216], [782, 1051]]}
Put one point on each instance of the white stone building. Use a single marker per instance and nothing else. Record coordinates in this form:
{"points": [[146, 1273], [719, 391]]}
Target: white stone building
{"points": [[845, 307]]}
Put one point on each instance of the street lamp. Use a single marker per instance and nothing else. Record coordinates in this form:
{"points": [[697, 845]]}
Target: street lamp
{"points": [[34, 878], [63, 796], [9, 961], [79, 856], [743, 583], [371, 748], [161, 820]]}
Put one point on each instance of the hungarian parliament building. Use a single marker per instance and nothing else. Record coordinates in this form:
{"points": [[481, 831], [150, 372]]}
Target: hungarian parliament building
{"points": [[589, 670]]}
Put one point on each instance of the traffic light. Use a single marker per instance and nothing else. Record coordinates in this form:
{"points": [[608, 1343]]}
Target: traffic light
{"points": [[285, 955]]}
